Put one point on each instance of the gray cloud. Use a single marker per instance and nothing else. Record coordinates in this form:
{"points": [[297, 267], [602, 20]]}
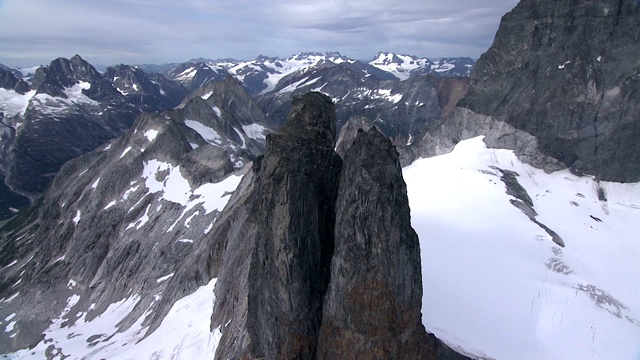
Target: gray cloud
{"points": [[155, 31]]}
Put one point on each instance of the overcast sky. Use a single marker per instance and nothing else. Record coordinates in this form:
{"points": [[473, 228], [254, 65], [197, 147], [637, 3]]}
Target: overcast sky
{"points": [[109, 32]]}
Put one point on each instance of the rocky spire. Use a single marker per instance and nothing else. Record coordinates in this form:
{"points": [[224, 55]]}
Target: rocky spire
{"points": [[372, 306], [297, 187], [279, 279]]}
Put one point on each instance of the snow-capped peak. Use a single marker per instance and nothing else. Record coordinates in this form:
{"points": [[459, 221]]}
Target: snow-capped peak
{"points": [[405, 66]]}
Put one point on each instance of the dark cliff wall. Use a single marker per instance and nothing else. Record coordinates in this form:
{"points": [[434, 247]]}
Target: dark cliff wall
{"points": [[372, 306], [297, 188], [283, 292], [568, 72]]}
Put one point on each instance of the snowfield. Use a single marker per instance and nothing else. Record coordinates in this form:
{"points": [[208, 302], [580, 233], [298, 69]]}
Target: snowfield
{"points": [[13, 103], [183, 334], [496, 286]]}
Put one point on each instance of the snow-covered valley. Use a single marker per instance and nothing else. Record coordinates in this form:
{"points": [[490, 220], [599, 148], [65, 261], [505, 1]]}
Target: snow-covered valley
{"points": [[496, 286]]}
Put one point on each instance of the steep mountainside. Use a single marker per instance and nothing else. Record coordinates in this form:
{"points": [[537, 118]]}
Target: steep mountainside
{"points": [[568, 74], [148, 92], [147, 210], [372, 306], [525, 245], [201, 233], [67, 110], [137, 210], [401, 109], [194, 74], [16, 73]]}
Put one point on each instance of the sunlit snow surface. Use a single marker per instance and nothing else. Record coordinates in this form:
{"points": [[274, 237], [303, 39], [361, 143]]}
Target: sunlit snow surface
{"points": [[495, 285], [183, 334], [13, 103]]}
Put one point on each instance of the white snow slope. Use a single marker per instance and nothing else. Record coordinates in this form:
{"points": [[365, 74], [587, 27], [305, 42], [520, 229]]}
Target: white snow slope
{"points": [[496, 286], [183, 334], [279, 68]]}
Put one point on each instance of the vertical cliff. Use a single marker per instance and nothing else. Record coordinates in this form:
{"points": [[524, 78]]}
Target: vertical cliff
{"points": [[567, 72], [297, 187], [372, 306], [318, 260]]}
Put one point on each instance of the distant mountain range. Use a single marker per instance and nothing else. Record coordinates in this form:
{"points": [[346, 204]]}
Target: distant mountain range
{"points": [[51, 114], [260, 76]]}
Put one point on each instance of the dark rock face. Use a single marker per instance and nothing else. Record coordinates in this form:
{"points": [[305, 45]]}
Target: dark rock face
{"points": [[283, 291], [16, 73], [567, 73], [112, 225], [372, 306], [148, 92], [63, 73], [60, 124], [74, 110], [289, 269], [8, 80]]}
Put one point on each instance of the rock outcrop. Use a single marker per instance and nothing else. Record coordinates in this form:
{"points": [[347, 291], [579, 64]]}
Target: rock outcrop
{"points": [[289, 270], [566, 72], [372, 306], [289, 217], [8, 80], [284, 291], [140, 220]]}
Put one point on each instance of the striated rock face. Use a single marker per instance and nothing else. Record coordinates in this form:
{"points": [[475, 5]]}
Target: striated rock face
{"points": [[297, 187], [284, 293], [567, 73], [372, 306], [119, 218]]}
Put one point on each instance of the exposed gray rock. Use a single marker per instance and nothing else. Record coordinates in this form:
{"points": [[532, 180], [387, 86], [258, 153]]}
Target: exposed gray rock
{"points": [[8, 80], [227, 108], [462, 124], [289, 271], [523, 201], [110, 228], [372, 306], [568, 73], [114, 222], [274, 244], [349, 132]]}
